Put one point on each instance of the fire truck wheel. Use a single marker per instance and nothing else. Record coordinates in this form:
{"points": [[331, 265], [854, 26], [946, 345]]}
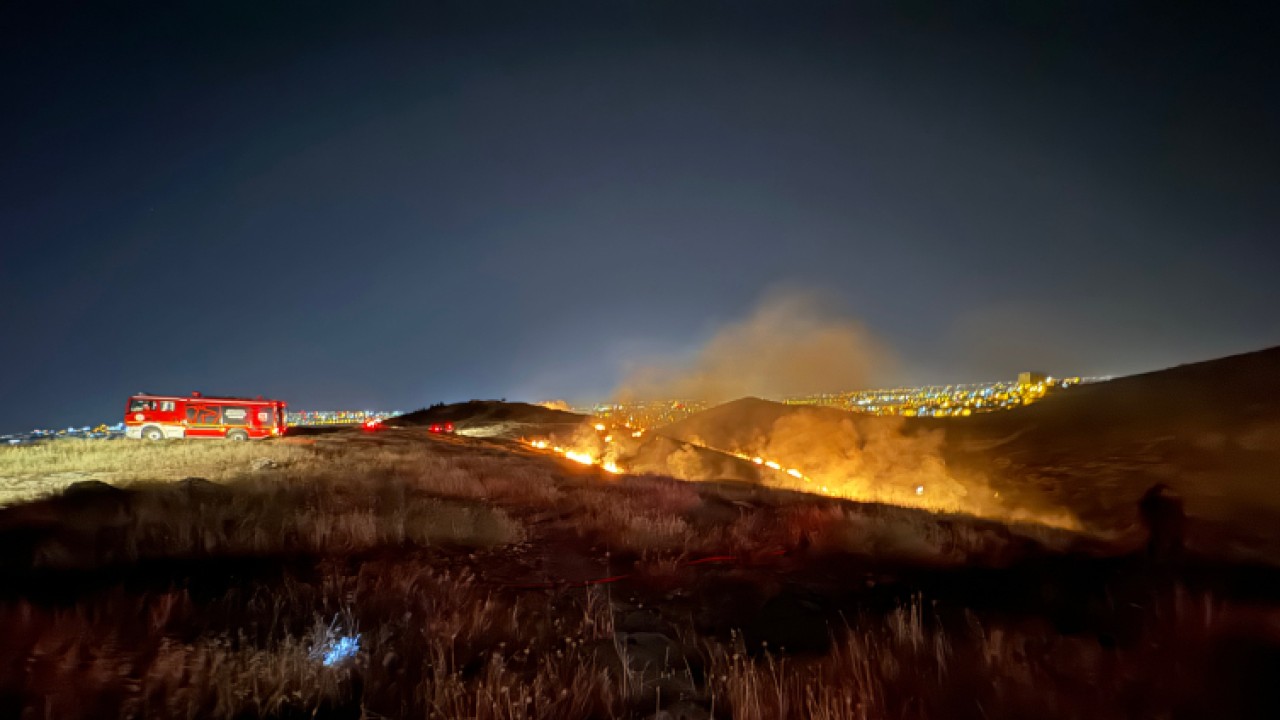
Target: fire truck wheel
{"points": [[237, 435], [152, 433]]}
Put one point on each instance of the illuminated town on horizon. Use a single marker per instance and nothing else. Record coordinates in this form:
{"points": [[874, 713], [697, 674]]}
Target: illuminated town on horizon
{"points": [[940, 401], [920, 401], [959, 400]]}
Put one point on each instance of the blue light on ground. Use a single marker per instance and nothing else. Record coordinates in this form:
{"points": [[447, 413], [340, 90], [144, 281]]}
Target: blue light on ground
{"points": [[341, 649]]}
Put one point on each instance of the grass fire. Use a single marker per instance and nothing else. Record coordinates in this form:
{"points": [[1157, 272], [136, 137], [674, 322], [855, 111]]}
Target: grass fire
{"points": [[537, 563], [827, 360]]}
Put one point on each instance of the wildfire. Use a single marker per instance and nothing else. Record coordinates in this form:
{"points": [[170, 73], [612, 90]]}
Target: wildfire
{"points": [[920, 493], [578, 456], [775, 465], [591, 454], [599, 449]]}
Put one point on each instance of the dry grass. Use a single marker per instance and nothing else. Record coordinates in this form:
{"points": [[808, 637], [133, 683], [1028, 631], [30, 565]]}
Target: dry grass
{"points": [[253, 517], [435, 553], [351, 492], [140, 458], [28, 472], [437, 644], [430, 645]]}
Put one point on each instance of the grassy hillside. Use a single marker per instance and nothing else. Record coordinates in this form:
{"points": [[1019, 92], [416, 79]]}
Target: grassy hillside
{"points": [[401, 573], [474, 578], [481, 412], [1209, 431]]}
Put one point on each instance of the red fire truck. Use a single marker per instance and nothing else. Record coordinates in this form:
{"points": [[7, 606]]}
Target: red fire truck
{"points": [[156, 417]]}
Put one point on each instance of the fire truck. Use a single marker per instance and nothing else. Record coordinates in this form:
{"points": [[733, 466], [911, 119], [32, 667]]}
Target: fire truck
{"points": [[157, 417]]}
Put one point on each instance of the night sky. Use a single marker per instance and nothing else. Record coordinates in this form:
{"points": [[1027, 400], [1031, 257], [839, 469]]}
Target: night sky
{"points": [[346, 206]]}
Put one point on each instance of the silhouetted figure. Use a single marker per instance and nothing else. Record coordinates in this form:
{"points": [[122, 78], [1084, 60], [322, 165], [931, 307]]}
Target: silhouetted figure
{"points": [[1164, 518]]}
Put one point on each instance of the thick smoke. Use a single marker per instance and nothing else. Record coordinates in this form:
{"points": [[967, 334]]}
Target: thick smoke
{"points": [[866, 458], [871, 458], [791, 344]]}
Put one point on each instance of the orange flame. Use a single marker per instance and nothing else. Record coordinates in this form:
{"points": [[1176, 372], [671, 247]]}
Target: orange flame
{"points": [[578, 456]]}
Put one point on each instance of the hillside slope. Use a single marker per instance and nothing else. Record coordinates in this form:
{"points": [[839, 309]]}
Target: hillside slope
{"points": [[491, 417], [1210, 431]]}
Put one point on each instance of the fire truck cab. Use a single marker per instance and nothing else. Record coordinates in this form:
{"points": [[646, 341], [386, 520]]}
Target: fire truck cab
{"points": [[157, 417]]}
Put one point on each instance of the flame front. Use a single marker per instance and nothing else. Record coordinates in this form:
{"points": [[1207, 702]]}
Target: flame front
{"points": [[930, 487], [779, 467], [582, 456]]}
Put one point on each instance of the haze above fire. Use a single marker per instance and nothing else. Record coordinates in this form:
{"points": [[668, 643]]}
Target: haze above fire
{"points": [[793, 342]]}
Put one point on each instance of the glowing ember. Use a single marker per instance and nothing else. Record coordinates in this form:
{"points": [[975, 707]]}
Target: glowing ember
{"points": [[795, 473], [772, 465], [599, 427]]}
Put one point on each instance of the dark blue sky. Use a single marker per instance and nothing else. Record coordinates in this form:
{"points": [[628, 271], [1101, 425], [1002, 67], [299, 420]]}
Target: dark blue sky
{"points": [[352, 205]]}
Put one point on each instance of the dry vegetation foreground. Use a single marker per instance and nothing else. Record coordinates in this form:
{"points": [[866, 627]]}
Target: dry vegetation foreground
{"points": [[408, 575]]}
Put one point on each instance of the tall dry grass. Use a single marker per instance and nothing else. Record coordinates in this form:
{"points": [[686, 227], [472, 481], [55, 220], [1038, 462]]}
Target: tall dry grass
{"points": [[450, 625], [443, 644]]}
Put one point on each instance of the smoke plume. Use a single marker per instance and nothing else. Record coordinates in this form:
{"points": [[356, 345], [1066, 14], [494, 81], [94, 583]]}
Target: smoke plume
{"points": [[791, 344], [891, 460]]}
